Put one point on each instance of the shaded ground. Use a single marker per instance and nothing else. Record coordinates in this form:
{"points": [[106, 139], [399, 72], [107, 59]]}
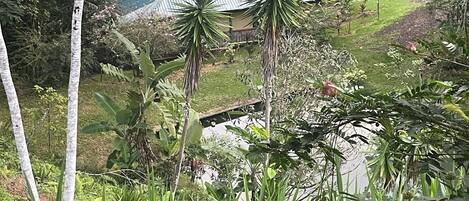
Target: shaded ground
{"points": [[417, 24], [16, 187]]}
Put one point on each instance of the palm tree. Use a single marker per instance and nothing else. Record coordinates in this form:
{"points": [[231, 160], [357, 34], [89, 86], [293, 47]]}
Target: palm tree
{"points": [[198, 24], [72, 118], [16, 120], [273, 16]]}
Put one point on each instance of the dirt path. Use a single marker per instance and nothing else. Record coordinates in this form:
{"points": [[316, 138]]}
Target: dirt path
{"points": [[415, 25]]}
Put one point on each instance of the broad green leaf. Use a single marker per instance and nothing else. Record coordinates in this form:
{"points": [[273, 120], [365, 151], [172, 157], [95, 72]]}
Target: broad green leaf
{"points": [[260, 133], [117, 143], [174, 149], [123, 117], [146, 64], [58, 195], [195, 128], [96, 128], [271, 173], [167, 196], [129, 45], [106, 103]]}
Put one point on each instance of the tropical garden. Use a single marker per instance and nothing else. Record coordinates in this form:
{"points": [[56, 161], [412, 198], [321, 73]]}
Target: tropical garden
{"points": [[332, 100]]}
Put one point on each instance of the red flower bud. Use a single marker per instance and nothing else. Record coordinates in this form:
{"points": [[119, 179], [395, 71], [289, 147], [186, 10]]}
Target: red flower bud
{"points": [[329, 89]]}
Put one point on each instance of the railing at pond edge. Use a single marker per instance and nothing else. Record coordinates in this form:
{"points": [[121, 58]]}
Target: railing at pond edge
{"points": [[230, 113]]}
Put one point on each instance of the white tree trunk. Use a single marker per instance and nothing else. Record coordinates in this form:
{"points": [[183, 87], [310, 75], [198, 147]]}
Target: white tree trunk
{"points": [[72, 119], [16, 120]]}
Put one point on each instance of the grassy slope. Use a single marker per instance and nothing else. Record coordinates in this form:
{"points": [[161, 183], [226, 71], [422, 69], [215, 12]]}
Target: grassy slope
{"points": [[370, 49]]}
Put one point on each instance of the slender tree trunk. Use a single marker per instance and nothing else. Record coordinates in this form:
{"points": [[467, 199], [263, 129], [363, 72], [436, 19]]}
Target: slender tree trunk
{"points": [[72, 119], [269, 60], [192, 74], [180, 158], [16, 120], [350, 26]]}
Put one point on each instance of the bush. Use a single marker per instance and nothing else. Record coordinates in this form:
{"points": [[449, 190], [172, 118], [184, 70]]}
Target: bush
{"points": [[39, 37], [48, 120]]}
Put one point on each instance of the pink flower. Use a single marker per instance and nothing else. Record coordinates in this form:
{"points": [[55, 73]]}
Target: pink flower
{"points": [[412, 46]]}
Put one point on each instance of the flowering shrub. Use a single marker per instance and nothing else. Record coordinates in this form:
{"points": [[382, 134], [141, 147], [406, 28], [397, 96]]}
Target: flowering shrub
{"points": [[40, 45], [103, 20], [154, 32]]}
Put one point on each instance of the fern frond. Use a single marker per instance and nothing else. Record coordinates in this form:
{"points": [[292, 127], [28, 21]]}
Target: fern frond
{"points": [[109, 69]]}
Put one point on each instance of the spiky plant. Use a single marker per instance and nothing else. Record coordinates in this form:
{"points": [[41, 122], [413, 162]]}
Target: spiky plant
{"points": [[198, 25]]}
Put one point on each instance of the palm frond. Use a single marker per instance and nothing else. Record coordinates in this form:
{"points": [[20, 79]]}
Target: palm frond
{"points": [[275, 13]]}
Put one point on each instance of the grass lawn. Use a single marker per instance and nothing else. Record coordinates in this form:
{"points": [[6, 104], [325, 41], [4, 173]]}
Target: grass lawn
{"points": [[370, 49]]}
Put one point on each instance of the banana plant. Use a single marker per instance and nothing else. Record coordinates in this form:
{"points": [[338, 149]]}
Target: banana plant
{"points": [[155, 98]]}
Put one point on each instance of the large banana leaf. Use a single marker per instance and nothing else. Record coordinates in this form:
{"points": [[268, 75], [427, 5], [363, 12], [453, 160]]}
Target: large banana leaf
{"points": [[106, 103], [146, 64], [129, 45]]}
